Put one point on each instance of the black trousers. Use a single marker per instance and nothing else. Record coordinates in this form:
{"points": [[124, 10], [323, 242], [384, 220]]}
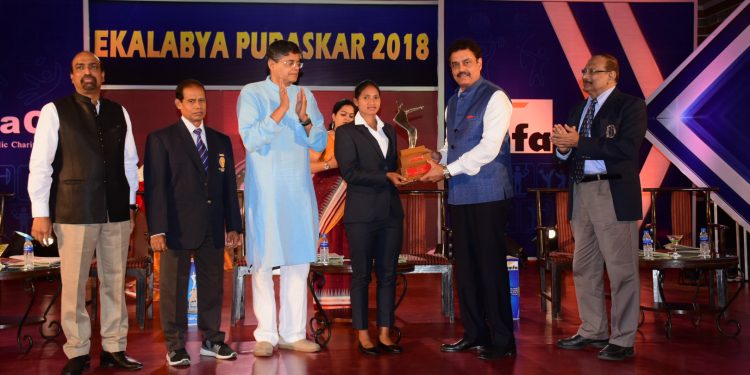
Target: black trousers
{"points": [[482, 272], [379, 241], [173, 283]]}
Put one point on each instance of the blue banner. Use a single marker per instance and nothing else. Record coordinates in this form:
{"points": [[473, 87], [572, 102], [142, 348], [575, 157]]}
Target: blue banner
{"points": [[160, 43]]}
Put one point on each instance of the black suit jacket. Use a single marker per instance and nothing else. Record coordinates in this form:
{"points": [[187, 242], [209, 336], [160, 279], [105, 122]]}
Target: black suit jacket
{"points": [[370, 196], [625, 114], [184, 200]]}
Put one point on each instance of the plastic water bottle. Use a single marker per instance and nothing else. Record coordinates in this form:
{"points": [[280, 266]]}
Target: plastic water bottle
{"points": [[705, 246], [324, 250], [28, 255], [648, 245]]}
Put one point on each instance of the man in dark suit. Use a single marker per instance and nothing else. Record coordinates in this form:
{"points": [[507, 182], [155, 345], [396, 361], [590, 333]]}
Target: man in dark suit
{"points": [[605, 204], [191, 200]]}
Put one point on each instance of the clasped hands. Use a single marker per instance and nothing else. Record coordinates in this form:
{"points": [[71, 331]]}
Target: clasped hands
{"points": [[300, 108], [564, 137]]}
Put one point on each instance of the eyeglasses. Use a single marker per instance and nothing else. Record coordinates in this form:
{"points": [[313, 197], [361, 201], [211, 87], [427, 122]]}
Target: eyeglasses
{"points": [[593, 71], [291, 63], [467, 63]]}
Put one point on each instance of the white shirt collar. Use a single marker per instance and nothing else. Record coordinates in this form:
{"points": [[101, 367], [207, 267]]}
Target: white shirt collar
{"points": [[190, 127], [359, 120], [603, 97]]}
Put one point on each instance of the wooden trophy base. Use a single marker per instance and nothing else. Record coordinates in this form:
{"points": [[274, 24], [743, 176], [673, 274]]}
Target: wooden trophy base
{"points": [[413, 162]]}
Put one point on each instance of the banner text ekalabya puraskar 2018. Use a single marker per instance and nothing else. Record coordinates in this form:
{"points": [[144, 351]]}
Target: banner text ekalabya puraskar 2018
{"points": [[159, 43]]}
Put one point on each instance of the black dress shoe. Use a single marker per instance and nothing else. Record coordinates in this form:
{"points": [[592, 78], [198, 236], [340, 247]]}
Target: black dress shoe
{"points": [[393, 349], [459, 346], [495, 353], [119, 360], [368, 351], [77, 365], [579, 342], [614, 352]]}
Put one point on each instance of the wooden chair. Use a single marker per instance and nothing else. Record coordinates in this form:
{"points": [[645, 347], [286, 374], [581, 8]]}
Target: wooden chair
{"points": [[2, 213], [140, 266], [683, 213], [241, 269], [416, 247], [555, 261]]}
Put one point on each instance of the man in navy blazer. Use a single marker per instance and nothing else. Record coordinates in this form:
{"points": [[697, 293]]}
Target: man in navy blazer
{"points": [[191, 201], [600, 143]]}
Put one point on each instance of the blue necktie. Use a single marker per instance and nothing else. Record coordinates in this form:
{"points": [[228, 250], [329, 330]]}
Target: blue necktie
{"points": [[202, 152], [585, 131]]}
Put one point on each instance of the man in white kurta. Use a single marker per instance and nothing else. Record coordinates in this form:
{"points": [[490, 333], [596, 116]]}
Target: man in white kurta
{"points": [[278, 123]]}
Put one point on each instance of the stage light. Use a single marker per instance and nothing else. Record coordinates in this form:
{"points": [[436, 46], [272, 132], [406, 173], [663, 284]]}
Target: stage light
{"points": [[551, 233]]}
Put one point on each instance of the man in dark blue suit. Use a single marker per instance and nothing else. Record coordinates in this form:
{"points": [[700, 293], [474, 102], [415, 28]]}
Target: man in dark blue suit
{"points": [[191, 201], [600, 143]]}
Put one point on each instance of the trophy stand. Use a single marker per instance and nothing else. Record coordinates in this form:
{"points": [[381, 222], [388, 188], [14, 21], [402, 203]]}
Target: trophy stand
{"points": [[412, 161]]}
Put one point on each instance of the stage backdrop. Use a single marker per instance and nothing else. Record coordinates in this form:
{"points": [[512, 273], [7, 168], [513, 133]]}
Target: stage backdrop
{"points": [[535, 50], [147, 47]]}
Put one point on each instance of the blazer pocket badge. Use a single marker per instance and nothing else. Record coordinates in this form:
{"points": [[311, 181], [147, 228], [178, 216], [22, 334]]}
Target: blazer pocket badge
{"points": [[222, 163], [610, 131]]}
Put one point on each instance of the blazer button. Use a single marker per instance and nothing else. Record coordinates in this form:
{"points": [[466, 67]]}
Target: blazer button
{"points": [[453, 147], [208, 201], [455, 130]]}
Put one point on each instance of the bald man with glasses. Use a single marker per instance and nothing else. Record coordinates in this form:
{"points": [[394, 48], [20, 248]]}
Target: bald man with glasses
{"points": [[600, 143]]}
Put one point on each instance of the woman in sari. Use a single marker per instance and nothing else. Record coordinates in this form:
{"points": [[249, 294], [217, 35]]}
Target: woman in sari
{"points": [[330, 191]]}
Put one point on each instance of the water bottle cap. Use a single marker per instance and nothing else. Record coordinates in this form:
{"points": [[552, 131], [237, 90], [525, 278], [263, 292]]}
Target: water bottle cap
{"points": [[703, 229], [24, 235]]}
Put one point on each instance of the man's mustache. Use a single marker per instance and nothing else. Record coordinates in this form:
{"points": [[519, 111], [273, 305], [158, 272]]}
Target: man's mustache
{"points": [[88, 76], [467, 74]]}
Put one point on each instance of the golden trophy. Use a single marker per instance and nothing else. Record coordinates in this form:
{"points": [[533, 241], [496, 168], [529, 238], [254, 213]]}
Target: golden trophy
{"points": [[412, 162]]}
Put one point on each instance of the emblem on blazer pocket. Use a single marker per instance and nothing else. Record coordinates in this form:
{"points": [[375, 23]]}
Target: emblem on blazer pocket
{"points": [[222, 163], [610, 131]]}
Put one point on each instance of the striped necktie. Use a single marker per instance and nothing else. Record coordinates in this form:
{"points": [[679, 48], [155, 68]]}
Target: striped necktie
{"points": [[585, 132], [202, 151]]}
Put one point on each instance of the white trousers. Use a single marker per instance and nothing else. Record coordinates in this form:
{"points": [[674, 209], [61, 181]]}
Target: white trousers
{"points": [[293, 300]]}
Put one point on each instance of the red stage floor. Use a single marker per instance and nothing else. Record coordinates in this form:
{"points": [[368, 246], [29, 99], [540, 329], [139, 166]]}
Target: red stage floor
{"points": [[690, 350]]}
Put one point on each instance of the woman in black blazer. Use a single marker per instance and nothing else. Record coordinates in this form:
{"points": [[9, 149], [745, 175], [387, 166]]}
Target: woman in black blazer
{"points": [[373, 217]]}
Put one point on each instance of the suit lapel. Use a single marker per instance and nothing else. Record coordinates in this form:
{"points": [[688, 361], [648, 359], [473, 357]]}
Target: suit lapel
{"points": [[603, 113], [370, 139], [213, 151], [391, 134], [189, 146]]}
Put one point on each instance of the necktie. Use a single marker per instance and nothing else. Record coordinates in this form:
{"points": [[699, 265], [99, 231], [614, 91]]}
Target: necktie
{"points": [[585, 131], [202, 152]]}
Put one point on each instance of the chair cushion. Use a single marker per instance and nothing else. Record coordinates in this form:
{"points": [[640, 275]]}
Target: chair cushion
{"points": [[560, 258], [426, 259]]}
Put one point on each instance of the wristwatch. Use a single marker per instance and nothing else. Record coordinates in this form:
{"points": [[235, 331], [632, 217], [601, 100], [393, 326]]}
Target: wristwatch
{"points": [[446, 173], [134, 207], [306, 122]]}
